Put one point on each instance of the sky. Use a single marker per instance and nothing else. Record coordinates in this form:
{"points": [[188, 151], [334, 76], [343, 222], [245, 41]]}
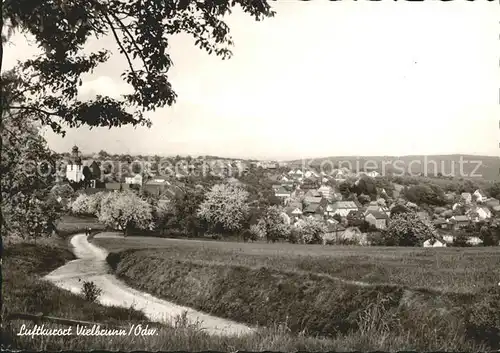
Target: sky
{"points": [[319, 79]]}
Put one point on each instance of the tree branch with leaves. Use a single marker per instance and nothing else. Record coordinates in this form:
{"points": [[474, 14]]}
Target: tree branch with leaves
{"points": [[142, 31]]}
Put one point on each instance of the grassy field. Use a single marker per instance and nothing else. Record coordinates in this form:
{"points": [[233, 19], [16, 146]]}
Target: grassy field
{"points": [[24, 263], [460, 270], [423, 299], [69, 225], [287, 288], [24, 291]]}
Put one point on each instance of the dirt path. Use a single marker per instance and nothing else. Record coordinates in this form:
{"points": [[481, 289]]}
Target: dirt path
{"points": [[91, 266]]}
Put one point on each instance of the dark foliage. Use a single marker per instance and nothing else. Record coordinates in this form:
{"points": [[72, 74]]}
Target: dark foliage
{"points": [[141, 30]]}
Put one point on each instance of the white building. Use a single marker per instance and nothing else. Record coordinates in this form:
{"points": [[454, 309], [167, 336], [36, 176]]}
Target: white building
{"points": [[434, 243], [74, 168], [136, 180], [480, 195]]}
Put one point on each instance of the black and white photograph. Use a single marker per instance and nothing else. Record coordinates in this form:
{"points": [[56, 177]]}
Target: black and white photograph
{"points": [[250, 175]]}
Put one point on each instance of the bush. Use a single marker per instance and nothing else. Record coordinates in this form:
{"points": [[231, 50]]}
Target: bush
{"points": [[294, 236], [90, 291], [483, 318], [248, 235]]}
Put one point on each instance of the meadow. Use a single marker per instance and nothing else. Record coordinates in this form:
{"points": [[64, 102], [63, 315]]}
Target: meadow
{"points": [[24, 291], [292, 293], [414, 298], [458, 270]]}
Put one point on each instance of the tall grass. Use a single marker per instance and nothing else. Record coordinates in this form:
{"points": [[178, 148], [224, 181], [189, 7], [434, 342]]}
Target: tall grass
{"points": [[463, 270], [24, 291], [401, 317], [392, 318]]}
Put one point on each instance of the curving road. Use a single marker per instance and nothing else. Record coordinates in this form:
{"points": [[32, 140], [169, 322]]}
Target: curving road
{"points": [[91, 266]]}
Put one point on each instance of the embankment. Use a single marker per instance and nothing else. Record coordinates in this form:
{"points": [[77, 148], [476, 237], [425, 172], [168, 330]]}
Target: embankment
{"points": [[311, 303]]}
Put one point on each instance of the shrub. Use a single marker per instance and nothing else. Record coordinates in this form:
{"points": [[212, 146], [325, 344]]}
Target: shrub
{"points": [[483, 319], [273, 224], [256, 232], [90, 291], [248, 235], [311, 231], [407, 229]]}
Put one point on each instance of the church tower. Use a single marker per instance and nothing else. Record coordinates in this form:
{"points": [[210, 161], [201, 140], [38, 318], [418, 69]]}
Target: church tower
{"points": [[74, 169]]}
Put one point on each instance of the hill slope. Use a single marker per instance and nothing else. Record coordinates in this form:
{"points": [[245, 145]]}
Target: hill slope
{"points": [[475, 167]]}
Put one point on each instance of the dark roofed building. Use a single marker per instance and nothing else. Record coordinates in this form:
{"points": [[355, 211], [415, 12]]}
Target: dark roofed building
{"points": [[377, 218], [460, 221], [313, 208]]}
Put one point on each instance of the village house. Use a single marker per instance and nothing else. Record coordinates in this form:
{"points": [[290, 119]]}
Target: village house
{"points": [[342, 208], [171, 192], [339, 175], [294, 212], [449, 239], [318, 216], [310, 183], [441, 223], [480, 196], [460, 221], [375, 206], [158, 179], [74, 168], [373, 174], [355, 217], [326, 191], [116, 187], [282, 193], [377, 219], [332, 221], [296, 173], [478, 213], [311, 173], [134, 180], [329, 210], [491, 202], [295, 203], [312, 193], [312, 199], [155, 186], [313, 208], [434, 243], [423, 215], [276, 187], [284, 179]]}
